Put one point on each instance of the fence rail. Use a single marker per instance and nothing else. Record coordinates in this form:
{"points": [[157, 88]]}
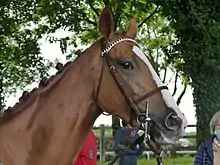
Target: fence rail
{"points": [[105, 144]]}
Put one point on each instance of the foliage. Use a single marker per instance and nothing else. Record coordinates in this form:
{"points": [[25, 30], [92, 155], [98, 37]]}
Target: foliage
{"points": [[155, 34], [196, 25], [1, 87], [21, 61]]}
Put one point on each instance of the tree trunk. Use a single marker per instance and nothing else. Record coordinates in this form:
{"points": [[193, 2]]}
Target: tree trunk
{"points": [[115, 125], [1, 86], [206, 85], [196, 25]]}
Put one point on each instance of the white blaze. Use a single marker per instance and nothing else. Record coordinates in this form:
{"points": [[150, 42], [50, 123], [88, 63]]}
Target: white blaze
{"points": [[169, 100]]}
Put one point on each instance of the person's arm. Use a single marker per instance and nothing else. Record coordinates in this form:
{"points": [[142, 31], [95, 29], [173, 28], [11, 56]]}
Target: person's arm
{"points": [[134, 151], [199, 155], [141, 149], [88, 154], [141, 145], [77, 159], [118, 145], [83, 160]]}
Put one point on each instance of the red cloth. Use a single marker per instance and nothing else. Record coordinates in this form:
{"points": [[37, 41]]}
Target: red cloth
{"points": [[88, 154]]}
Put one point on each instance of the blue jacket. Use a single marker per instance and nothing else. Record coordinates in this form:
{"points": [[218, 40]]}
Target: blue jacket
{"points": [[204, 154], [129, 157]]}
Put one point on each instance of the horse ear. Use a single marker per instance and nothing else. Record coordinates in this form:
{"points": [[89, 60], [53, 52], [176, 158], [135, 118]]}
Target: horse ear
{"points": [[106, 23], [132, 28]]}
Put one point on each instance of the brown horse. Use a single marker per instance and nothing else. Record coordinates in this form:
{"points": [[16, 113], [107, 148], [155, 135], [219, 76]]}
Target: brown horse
{"points": [[49, 125]]}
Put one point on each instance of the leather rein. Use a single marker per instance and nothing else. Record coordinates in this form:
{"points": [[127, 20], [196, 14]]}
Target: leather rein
{"points": [[143, 118]]}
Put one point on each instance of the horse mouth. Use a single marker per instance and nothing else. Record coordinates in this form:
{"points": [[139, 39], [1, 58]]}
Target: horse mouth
{"points": [[159, 137], [157, 133]]}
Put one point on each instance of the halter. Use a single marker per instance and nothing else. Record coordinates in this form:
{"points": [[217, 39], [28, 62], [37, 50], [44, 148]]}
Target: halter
{"points": [[142, 117]]}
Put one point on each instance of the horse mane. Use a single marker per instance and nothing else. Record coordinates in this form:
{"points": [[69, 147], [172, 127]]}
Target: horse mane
{"points": [[28, 97]]}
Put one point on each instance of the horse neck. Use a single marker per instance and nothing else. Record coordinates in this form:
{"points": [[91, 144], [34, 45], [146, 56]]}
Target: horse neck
{"points": [[86, 110], [83, 86], [68, 109]]}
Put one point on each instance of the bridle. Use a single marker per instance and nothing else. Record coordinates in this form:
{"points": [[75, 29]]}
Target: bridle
{"points": [[143, 118], [121, 83]]}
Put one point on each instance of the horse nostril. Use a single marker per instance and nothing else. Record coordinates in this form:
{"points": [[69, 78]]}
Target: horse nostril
{"points": [[173, 122]]}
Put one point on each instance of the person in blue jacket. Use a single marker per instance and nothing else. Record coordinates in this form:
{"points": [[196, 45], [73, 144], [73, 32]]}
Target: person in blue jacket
{"points": [[209, 150], [127, 156]]}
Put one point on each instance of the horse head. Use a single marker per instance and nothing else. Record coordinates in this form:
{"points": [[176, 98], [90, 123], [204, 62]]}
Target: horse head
{"points": [[128, 80]]}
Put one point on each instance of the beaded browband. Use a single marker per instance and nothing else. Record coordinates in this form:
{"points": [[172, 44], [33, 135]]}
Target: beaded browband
{"points": [[106, 50]]}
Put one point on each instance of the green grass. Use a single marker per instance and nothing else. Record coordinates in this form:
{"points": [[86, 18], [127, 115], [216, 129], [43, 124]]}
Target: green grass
{"points": [[167, 161]]}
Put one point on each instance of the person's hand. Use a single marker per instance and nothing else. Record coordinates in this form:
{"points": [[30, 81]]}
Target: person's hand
{"points": [[137, 126]]}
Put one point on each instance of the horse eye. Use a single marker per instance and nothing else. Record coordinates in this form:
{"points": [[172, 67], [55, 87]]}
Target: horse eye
{"points": [[127, 65]]}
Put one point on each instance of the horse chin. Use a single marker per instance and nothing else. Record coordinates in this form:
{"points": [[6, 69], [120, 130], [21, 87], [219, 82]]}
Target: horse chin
{"points": [[155, 135], [170, 137], [166, 139], [158, 137]]}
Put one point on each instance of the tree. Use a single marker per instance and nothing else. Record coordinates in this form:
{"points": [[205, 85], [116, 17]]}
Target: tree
{"points": [[38, 18], [196, 25], [1, 87], [20, 60]]}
